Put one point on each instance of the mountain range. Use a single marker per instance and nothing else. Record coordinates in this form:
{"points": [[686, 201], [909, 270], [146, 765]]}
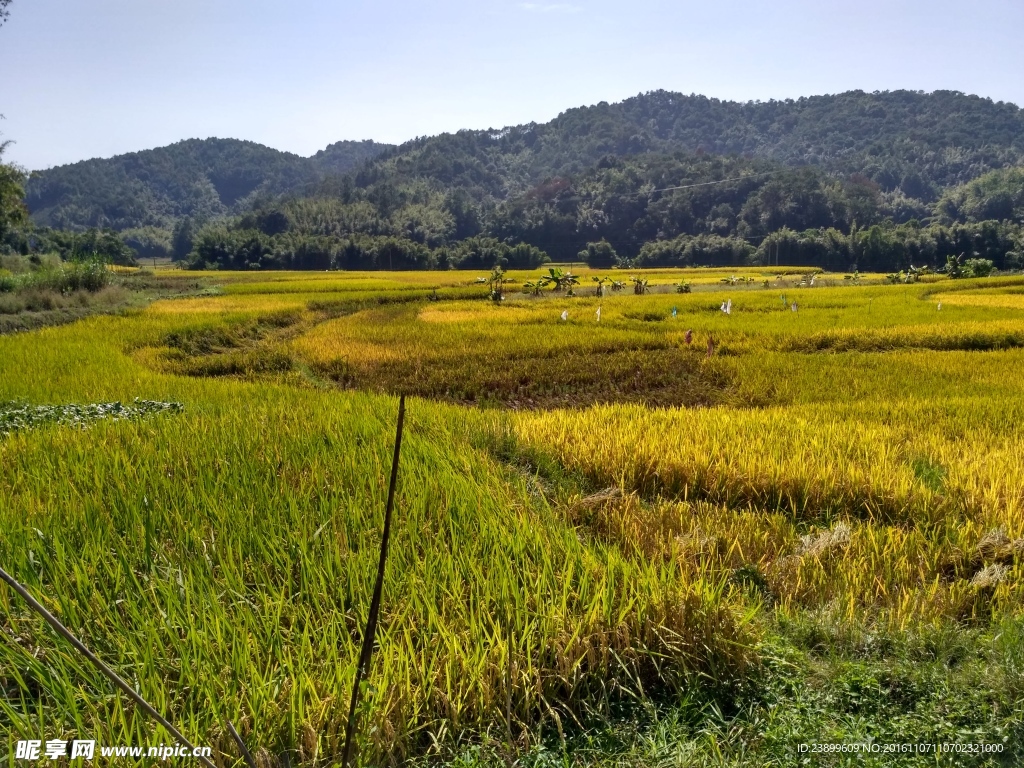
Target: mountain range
{"points": [[649, 169]]}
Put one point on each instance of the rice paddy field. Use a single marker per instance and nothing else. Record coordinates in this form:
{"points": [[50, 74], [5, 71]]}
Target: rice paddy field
{"points": [[654, 534]]}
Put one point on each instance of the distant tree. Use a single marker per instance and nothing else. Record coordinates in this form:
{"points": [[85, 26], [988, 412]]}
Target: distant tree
{"points": [[481, 253], [12, 194], [272, 222], [979, 267], [148, 242], [599, 254], [688, 251], [4, 13], [182, 238], [863, 198], [525, 256], [994, 196], [465, 214], [103, 244]]}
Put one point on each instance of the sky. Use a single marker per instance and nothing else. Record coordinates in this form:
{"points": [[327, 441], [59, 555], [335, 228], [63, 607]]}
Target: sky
{"points": [[95, 78]]}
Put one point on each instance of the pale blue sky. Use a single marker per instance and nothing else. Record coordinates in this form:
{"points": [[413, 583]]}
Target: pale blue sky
{"points": [[88, 78]]}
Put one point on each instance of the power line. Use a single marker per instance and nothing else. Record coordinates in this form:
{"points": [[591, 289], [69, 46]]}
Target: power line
{"points": [[721, 181], [642, 193]]}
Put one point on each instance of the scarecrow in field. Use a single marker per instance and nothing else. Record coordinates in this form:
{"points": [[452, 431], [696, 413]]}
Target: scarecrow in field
{"points": [[689, 336], [711, 346], [565, 315], [598, 314]]}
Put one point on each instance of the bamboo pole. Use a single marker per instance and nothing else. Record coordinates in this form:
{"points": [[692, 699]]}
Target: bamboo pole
{"points": [[369, 635]]}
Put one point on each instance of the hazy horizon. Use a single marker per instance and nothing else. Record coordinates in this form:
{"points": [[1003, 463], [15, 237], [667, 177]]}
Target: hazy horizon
{"points": [[108, 77]]}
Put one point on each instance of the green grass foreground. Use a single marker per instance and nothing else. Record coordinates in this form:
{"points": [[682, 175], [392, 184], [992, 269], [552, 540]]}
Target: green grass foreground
{"points": [[653, 557]]}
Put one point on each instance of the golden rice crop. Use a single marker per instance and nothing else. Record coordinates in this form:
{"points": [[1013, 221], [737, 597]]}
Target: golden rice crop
{"points": [[224, 558], [862, 454], [230, 304], [982, 299]]}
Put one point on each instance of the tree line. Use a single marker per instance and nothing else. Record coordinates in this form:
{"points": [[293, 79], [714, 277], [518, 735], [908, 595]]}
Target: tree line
{"points": [[621, 213]]}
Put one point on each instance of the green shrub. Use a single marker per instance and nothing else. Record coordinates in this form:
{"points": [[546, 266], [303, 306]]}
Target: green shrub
{"points": [[89, 276], [979, 267]]}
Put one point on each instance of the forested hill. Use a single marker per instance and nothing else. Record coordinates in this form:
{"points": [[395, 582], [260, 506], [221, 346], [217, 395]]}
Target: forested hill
{"points": [[918, 142], [202, 179], [873, 179]]}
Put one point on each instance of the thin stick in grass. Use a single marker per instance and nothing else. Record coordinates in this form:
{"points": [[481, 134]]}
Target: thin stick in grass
{"points": [[246, 754], [369, 635], [100, 665]]}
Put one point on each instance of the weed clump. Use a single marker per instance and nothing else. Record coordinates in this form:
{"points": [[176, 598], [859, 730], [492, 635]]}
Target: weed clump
{"points": [[70, 276], [15, 417]]}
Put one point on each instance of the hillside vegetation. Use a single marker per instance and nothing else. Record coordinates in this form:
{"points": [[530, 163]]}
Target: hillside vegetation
{"points": [[201, 179], [876, 181]]}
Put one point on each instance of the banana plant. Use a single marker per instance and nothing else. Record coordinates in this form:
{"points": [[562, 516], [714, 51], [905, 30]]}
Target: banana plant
{"points": [[915, 273], [570, 281], [534, 287], [562, 280], [497, 281], [955, 266]]}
